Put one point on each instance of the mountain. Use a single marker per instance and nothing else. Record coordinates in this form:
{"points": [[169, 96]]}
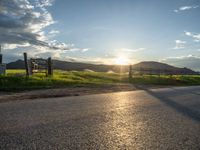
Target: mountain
{"points": [[149, 67], [19, 64], [152, 67], [65, 65]]}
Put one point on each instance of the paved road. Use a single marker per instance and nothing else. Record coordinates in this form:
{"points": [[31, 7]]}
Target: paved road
{"points": [[145, 119]]}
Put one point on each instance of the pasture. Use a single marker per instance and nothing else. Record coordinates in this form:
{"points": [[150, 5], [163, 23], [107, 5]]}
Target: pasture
{"points": [[15, 80]]}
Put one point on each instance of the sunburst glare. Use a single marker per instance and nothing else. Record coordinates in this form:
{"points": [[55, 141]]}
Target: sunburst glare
{"points": [[122, 60]]}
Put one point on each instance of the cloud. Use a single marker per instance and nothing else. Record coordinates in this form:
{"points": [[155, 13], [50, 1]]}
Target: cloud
{"points": [[13, 46], [184, 8], [60, 45], [132, 50], [44, 3], [182, 57], [189, 61], [22, 23], [196, 37], [179, 44], [54, 32], [85, 50]]}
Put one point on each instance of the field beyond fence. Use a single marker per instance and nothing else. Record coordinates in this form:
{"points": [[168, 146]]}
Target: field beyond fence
{"points": [[15, 80]]}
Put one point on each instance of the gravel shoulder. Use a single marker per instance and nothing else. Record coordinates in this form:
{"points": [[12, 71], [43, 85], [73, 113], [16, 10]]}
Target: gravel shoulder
{"points": [[70, 91]]}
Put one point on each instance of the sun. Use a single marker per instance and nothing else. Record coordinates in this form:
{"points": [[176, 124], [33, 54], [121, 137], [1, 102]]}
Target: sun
{"points": [[122, 60]]}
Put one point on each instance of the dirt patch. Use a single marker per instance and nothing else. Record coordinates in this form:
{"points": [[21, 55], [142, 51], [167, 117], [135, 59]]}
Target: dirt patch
{"points": [[71, 91]]}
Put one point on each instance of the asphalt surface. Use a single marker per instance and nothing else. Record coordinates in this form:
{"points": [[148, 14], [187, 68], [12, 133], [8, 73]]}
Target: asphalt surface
{"points": [[146, 119]]}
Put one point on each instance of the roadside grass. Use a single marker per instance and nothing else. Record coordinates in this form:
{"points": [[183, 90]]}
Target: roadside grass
{"points": [[15, 80], [175, 80]]}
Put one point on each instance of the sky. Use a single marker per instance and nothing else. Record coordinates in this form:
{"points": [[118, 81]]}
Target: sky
{"points": [[100, 31]]}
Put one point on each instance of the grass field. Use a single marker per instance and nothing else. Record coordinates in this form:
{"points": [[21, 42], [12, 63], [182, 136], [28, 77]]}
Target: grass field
{"points": [[16, 81]]}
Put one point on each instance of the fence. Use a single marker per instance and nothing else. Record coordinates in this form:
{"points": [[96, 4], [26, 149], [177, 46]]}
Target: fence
{"points": [[158, 71], [2, 69], [2, 66], [38, 65]]}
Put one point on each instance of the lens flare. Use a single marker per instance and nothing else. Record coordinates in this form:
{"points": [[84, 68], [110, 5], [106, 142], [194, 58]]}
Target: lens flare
{"points": [[121, 60]]}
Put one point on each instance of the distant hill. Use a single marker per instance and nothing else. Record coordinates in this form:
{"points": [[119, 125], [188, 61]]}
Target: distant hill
{"points": [[19, 64], [153, 67], [149, 67], [69, 66]]}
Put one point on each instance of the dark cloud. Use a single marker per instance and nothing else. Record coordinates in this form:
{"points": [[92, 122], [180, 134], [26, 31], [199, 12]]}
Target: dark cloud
{"points": [[22, 22], [9, 22]]}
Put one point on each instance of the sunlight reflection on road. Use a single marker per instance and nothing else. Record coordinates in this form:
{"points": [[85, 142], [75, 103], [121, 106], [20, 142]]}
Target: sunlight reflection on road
{"points": [[122, 130]]}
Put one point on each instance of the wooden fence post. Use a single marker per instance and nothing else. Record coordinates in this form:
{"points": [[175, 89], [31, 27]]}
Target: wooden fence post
{"points": [[130, 72], [31, 66], [26, 65], [49, 64], [1, 56]]}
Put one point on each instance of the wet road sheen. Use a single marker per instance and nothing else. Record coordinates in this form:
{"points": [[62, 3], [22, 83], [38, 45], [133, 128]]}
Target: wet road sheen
{"points": [[147, 119]]}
